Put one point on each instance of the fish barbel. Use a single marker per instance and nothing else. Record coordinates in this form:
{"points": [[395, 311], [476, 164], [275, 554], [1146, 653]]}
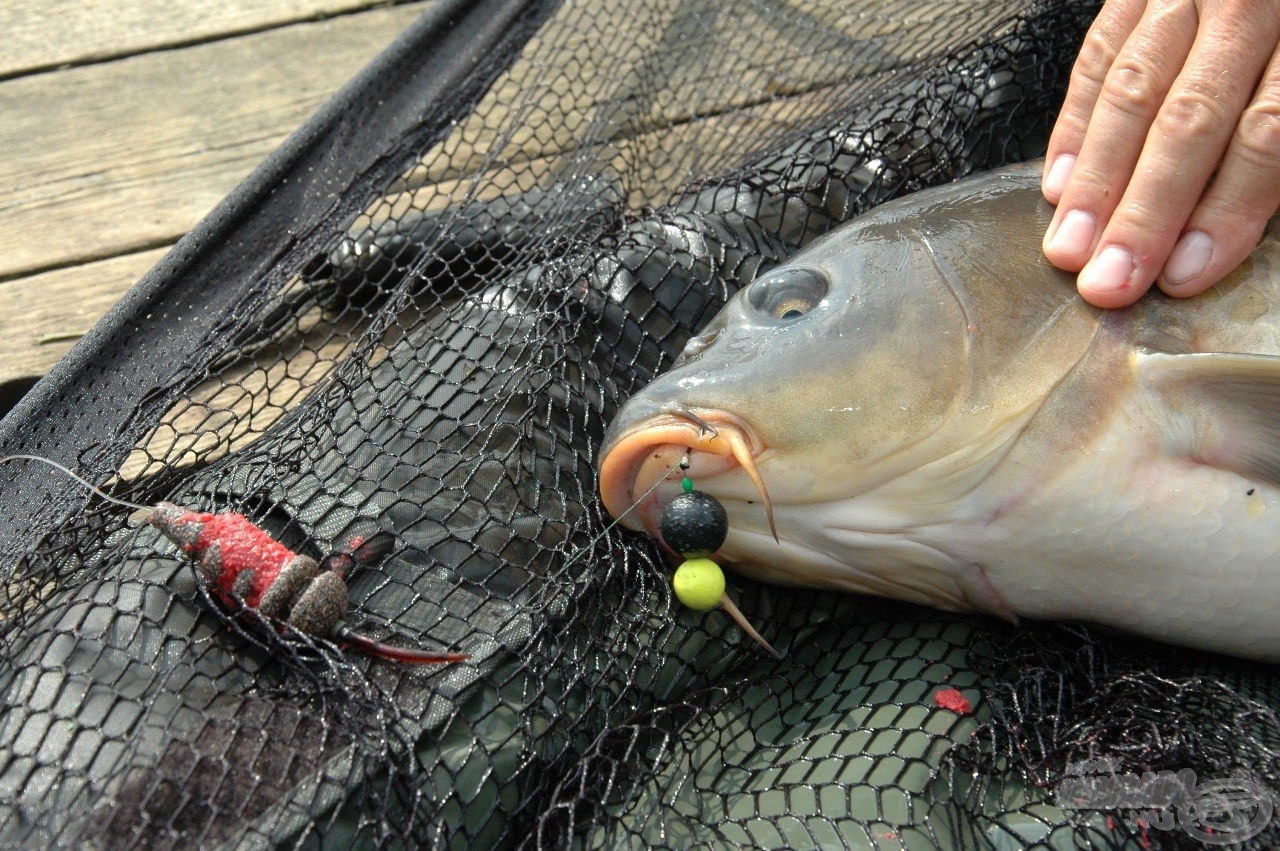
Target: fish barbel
{"points": [[920, 406]]}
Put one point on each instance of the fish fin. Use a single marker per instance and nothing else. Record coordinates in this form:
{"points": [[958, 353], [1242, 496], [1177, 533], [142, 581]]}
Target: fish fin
{"points": [[1231, 403]]}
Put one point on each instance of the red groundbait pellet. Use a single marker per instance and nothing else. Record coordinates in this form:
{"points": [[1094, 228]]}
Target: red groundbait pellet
{"points": [[953, 699]]}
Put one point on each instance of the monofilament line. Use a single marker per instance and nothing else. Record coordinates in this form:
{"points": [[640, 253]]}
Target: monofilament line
{"points": [[94, 488], [684, 463]]}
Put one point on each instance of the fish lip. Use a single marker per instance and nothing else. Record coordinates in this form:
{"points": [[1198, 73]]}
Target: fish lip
{"points": [[634, 464]]}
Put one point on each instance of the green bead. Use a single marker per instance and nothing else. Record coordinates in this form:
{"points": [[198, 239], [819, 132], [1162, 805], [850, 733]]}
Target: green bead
{"points": [[687, 484], [699, 584]]}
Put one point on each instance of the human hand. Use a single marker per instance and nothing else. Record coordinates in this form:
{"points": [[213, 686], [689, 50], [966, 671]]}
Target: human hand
{"points": [[1163, 93]]}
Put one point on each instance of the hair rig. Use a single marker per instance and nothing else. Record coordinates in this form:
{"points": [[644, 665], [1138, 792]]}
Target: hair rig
{"points": [[695, 525]]}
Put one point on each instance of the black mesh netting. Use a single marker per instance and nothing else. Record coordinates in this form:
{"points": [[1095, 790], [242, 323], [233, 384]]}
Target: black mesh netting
{"points": [[419, 316]]}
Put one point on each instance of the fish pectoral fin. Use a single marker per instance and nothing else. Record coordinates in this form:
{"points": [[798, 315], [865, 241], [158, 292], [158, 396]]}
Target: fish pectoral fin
{"points": [[1232, 403]]}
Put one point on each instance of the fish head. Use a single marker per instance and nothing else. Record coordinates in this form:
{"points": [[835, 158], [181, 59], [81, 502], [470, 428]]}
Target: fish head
{"points": [[849, 397], [807, 380]]}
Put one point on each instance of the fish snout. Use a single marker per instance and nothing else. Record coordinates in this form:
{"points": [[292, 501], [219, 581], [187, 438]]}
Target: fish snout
{"points": [[642, 466]]}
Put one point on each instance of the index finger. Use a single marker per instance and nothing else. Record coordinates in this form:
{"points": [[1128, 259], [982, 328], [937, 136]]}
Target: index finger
{"points": [[1098, 52], [1183, 148]]}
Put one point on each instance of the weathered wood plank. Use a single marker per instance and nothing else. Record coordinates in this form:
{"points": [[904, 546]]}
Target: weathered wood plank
{"points": [[123, 156], [45, 34], [45, 314]]}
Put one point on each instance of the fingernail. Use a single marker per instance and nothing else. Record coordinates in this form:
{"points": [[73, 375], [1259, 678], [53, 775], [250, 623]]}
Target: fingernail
{"points": [[1056, 180], [1108, 272], [1189, 258], [1074, 234]]}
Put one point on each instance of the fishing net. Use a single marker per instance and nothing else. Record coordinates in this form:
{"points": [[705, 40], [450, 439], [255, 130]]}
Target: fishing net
{"points": [[418, 317]]}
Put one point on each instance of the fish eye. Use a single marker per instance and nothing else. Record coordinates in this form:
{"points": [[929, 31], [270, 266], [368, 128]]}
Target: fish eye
{"points": [[792, 308], [789, 293]]}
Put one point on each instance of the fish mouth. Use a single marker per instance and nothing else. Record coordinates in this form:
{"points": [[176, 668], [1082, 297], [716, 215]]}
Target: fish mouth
{"points": [[637, 463]]}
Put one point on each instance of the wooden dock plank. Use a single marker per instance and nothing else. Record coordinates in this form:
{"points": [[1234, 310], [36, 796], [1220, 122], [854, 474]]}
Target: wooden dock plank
{"points": [[50, 311], [46, 34], [122, 156]]}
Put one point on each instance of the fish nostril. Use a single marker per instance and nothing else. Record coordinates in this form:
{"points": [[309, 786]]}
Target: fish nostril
{"points": [[696, 346]]}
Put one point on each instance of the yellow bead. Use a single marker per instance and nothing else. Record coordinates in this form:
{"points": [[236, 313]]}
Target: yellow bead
{"points": [[699, 584]]}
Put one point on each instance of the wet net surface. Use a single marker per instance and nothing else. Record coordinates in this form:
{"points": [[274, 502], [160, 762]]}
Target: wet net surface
{"points": [[419, 319]]}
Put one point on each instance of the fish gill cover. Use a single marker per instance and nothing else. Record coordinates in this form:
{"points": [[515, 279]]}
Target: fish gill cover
{"points": [[418, 317]]}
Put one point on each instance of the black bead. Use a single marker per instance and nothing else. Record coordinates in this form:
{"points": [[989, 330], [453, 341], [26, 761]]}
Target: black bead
{"points": [[694, 524]]}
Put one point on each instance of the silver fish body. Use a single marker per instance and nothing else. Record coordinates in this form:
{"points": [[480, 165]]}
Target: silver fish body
{"points": [[920, 406]]}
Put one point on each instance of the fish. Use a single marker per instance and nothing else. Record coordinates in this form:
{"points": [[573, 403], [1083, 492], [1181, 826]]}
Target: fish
{"points": [[919, 406]]}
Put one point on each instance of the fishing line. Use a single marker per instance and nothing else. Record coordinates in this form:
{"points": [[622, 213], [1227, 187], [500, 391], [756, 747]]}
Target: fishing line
{"points": [[683, 465], [94, 488], [300, 593], [707, 590], [699, 582]]}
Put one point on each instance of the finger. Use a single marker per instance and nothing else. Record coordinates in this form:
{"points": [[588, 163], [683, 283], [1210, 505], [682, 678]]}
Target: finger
{"points": [[1131, 95], [1186, 142], [1097, 53], [1229, 220]]}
